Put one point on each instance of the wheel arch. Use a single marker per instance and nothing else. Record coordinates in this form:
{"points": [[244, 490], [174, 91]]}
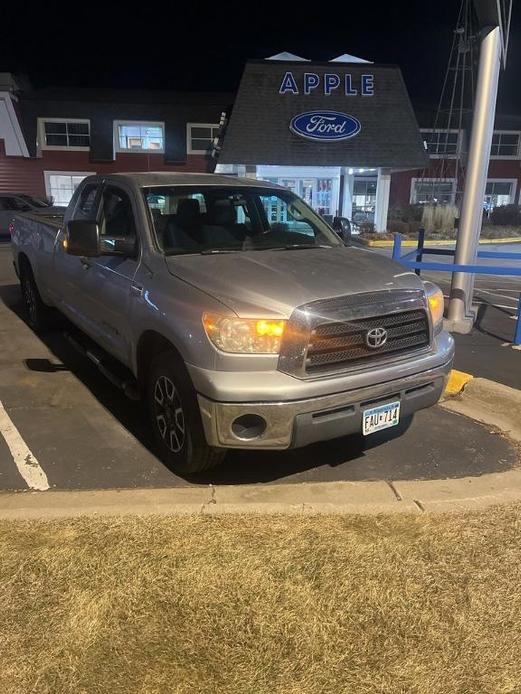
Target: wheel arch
{"points": [[150, 344], [23, 262]]}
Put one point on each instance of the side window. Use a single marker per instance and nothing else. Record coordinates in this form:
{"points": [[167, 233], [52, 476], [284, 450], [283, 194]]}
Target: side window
{"points": [[118, 217], [86, 207], [287, 217]]}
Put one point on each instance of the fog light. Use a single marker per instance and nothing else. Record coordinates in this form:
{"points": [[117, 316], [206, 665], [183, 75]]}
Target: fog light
{"points": [[249, 426]]}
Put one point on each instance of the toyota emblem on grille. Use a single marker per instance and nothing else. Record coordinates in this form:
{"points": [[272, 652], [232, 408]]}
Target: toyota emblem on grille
{"points": [[376, 337]]}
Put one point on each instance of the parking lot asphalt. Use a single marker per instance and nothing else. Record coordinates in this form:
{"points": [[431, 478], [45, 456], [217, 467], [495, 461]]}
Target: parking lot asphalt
{"points": [[83, 433]]}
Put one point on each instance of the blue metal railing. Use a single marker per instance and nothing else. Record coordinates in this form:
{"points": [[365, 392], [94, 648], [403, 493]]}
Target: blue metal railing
{"points": [[419, 264]]}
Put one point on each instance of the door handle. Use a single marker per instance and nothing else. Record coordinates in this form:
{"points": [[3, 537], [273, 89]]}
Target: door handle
{"points": [[136, 289]]}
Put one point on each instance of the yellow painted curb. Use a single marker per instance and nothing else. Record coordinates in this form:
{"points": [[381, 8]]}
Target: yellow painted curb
{"points": [[411, 243], [457, 381]]}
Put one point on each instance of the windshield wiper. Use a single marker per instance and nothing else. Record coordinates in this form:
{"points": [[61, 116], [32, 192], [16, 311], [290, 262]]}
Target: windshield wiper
{"points": [[290, 247], [216, 251], [179, 251]]}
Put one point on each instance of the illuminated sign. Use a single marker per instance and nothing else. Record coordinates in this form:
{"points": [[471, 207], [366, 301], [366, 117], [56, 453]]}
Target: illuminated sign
{"points": [[327, 126], [327, 84]]}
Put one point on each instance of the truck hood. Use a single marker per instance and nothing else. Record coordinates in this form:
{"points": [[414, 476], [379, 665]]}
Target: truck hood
{"points": [[276, 282]]}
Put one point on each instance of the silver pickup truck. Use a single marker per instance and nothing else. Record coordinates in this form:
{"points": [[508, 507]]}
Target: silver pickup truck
{"points": [[242, 318]]}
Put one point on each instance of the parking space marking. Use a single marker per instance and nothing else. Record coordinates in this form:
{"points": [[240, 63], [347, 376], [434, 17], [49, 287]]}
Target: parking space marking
{"points": [[495, 293], [487, 303], [27, 464]]}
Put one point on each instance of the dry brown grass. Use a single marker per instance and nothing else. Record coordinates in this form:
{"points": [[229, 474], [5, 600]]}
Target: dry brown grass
{"points": [[249, 605]]}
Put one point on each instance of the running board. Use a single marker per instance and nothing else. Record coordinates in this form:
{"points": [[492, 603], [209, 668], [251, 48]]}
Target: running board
{"points": [[127, 385]]}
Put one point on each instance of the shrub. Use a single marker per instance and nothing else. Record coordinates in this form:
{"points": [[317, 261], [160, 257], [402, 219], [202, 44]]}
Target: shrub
{"points": [[396, 226], [406, 213], [367, 228], [506, 215]]}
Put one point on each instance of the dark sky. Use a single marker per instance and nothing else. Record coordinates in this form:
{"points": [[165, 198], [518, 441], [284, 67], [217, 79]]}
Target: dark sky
{"points": [[202, 46]]}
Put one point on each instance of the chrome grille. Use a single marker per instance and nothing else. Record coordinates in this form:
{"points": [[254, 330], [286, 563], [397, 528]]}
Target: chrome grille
{"points": [[339, 344]]}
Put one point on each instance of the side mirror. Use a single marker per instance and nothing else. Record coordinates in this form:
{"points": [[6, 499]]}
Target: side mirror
{"points": [[342, 226], [83, 238]]}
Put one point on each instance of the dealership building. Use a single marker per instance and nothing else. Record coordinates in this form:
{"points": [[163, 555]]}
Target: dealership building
{"points": [[341, 134]]}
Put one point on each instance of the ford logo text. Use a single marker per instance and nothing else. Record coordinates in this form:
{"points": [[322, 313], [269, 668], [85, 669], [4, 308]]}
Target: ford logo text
{"points": [[328, 126]]}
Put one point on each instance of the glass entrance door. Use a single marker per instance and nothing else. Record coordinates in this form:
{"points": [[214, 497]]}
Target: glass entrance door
{"points": [[364, 200], [318, 193], [323, 204], [307, 190]]}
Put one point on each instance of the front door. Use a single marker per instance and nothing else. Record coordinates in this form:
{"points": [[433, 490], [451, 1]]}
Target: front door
{"points": [[108, 282], [66, 275]]}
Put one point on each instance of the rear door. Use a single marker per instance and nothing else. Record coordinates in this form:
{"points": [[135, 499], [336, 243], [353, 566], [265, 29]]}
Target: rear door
{"points": [[107, 285]]}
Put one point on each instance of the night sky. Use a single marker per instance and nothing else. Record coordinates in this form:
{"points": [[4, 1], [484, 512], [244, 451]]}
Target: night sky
{"points": [[197, 46]]}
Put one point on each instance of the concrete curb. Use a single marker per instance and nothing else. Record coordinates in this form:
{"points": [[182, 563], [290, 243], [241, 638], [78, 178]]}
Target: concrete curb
{"points": [[483, 400], [430, 243], [359, 498], [490, 403]]}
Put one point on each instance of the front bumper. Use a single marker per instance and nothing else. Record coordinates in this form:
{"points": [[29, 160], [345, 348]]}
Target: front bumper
{"points": [[295, 423]]}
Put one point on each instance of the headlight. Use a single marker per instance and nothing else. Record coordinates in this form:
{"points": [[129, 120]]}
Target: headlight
{"points": [[244, 336], [436, 303]]}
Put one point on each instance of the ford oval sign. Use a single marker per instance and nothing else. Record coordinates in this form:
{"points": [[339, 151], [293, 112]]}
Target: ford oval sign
{"points": [[327, 126]]}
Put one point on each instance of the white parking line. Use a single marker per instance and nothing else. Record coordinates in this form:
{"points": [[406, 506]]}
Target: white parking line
{"points": [[502, 296], [25, 461], [514, 291], [487, 303]]}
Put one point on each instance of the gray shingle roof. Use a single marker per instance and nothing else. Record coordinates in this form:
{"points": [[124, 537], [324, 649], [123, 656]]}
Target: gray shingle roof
{"points": [[258, 130]]}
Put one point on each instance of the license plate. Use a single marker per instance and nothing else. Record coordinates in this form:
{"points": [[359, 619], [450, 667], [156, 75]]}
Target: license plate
{"points": [[381, 417]]}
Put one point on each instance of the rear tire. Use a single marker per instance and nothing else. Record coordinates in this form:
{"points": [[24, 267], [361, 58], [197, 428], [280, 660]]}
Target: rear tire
{"points": [[175, 417], [37, 314]]}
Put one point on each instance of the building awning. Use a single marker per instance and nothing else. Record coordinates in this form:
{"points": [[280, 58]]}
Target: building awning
{"points": [[322, 114]]}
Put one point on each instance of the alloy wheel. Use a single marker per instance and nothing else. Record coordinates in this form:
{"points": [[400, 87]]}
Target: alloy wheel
{"points": [[169, 414]]}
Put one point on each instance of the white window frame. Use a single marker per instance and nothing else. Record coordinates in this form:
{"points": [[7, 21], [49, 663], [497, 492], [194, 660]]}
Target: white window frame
{"points": [[64, 148], [426, 131], [431, 180], [513, 193], [146, 123], [47, 175], [189, 127], [507, 156]]}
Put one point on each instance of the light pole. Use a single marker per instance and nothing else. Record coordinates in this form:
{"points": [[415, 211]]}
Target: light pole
{"points": [[461, 315]]}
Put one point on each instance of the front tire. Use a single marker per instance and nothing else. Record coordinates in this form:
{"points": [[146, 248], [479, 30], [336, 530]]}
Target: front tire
{"points": [[175, 417]]}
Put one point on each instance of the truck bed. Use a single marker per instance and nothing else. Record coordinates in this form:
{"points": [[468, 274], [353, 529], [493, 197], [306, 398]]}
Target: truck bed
{"points": [[53, 219]]}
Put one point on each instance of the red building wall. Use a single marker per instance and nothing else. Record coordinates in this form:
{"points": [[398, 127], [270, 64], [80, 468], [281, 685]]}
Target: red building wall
{"points": [[400, 193], [24, 175]]}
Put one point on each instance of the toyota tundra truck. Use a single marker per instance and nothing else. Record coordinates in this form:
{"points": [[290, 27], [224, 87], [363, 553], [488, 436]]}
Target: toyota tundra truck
{"points": [[242, 319]]}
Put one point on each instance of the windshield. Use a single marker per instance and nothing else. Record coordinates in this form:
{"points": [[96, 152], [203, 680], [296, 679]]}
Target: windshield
{"points": [[215, 219]]}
